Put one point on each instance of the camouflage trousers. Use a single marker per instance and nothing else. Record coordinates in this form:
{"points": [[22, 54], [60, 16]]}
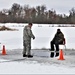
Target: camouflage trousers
{"points": [[27, 47]]}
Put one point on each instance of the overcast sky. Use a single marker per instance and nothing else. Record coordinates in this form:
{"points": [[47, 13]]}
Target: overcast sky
{"points": [[61, 6]]}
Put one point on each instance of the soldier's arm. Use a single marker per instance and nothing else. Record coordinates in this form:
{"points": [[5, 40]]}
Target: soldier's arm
{"points": [[30, 33]]}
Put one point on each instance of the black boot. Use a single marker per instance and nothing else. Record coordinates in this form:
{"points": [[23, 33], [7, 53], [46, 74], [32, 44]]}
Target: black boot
{"points": [[24, 55], [57, 54], [51, 53], [30, 56]]}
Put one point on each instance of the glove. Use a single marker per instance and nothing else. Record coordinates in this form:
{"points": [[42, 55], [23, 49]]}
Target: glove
{"points": [[33, 37]]}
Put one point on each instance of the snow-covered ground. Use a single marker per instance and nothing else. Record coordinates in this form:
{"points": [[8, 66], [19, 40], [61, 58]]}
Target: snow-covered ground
{"points": [[41, 63]]}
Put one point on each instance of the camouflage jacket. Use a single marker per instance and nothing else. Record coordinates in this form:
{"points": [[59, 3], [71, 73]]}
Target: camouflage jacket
{"points": [[27, 33]]}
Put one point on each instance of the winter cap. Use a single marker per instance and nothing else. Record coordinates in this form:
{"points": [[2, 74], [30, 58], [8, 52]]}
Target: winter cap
{"points": [[30, 23], [58, 30]]}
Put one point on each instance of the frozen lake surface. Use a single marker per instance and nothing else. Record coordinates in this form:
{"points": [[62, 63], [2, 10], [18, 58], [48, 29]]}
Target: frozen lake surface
{"points": [[43, 33], [41, 63]]}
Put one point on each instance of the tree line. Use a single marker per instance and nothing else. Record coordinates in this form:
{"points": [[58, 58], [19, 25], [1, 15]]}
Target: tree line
{"points": [[38, 14]]}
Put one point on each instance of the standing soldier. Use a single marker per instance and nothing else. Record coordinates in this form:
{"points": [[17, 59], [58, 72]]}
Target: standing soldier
{"points": [[27, 35]]}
